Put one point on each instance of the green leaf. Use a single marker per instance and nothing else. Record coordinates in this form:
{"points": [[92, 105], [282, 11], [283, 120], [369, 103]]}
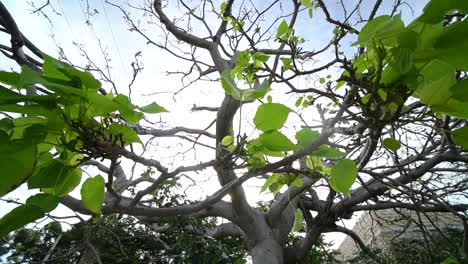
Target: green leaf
{"points": [[256, 160], [409, 39], [44, 201], [100, 105], [383, 94], [222, 7], [126, 109], [460, 90], [8, 96], [306, 136], [276, 141], [403, 60], [287, 63], [365, 98], [436, 42], [19, 217], [436, 79], [69, 184], [315, 165], [128, 135], [92, 193], [17, 161], [229, 86], [231, 148], [322, 80], [259, 92], [261, 57], [22, 80], [298, 219], [56, 178], [384, 29], [297, 182], [275, 187], [299, 101], [450, 260], [153, 108], [283, 29], [6, 125], [460, 137], [453, 108], [339, 84], [35, 134], [306, 3], [273, 178], [337, 31], [50, 174], [36, 110], [427, 34], [22, 123], [10, 78], [342, 176], [243, 58], [328, 152], [435, 10], [249, 94], [391, 144], [453, 39], [59, 70], [227, 140], [271, 116]]}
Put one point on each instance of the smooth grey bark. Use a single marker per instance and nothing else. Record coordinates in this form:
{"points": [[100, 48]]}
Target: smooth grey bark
{"points": [[267, 252]]}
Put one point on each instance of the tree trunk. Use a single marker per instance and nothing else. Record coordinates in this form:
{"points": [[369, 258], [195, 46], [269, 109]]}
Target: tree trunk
{"points": [[267, 252]]}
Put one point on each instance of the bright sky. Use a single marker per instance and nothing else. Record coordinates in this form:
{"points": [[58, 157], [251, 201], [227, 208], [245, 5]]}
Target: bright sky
{"points": [[109, 31]]}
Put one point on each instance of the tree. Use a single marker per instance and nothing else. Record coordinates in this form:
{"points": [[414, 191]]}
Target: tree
{"points": [[387, 129], [127, 240]]}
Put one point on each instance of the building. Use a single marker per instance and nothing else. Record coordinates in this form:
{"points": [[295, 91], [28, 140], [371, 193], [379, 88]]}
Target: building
{"points": [[377, 229]]}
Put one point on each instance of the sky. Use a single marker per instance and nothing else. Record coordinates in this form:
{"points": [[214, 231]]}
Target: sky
{"points": [[67, 27]]}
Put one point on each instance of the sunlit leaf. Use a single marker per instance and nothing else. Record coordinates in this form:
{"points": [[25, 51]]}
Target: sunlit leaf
{"points": [[436, 79], [227, 140], [153, 108], [306, 3], [273, 178], [271, 116], [125, 133], [92, 193], [127, 109], [297, 181], [315, 165], [283, 29], [276, 141], [306, 136], [298, 220], [342, 176], [60, 70], [229, 86]]}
